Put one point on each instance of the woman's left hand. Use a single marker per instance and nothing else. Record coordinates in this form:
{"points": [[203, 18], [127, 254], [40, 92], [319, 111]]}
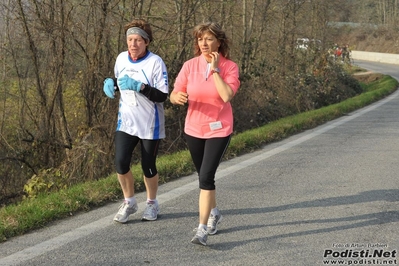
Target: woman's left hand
{"points": [[215, 60]]}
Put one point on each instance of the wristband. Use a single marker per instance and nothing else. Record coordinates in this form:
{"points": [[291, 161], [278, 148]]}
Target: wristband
{"points": [[216, 70]]}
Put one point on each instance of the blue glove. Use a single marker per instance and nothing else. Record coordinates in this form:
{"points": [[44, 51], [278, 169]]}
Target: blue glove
{"points": [[108, 88], [126, 83]]}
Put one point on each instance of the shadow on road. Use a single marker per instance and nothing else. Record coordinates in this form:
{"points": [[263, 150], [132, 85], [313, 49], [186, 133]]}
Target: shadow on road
{"points": [[356, 221]]}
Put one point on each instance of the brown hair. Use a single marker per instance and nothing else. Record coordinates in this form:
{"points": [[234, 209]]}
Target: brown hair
{"points": [[142, 24], [216, 30]]}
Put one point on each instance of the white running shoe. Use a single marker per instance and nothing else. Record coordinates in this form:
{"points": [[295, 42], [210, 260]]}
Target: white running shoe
{"points": [[124, 211], [200, 237], [213, 222], [151, 212]]}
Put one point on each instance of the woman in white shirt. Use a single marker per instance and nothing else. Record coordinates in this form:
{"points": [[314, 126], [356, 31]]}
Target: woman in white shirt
{"points": [[142, 80]]}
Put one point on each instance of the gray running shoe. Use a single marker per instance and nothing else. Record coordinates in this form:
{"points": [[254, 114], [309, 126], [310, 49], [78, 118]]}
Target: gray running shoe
{"points": [[124, 211], [200, 237], [213, 222], [151, 212]]}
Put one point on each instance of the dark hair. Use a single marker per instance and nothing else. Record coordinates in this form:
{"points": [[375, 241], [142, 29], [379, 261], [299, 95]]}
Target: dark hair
{"points": [[216, 30], [142, 24]]}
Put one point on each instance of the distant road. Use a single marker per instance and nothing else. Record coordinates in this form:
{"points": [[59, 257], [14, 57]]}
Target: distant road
{"points": [[388, 69], [310, 199]]}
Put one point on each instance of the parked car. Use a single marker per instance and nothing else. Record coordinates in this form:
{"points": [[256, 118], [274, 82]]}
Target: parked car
{"points": [[306, 43]]}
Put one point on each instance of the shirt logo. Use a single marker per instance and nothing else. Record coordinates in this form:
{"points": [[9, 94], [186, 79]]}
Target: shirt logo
{"points": [[165, 76]]}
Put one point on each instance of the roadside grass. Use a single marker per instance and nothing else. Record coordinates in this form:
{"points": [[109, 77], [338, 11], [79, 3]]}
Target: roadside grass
{"points": [[34, 213]]}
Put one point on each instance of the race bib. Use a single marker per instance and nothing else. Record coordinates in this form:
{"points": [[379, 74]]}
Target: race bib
{"points": [[215, 125], [130, 98]]}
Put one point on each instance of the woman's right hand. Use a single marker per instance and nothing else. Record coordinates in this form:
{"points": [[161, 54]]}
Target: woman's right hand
{"points": [[179, 98]]}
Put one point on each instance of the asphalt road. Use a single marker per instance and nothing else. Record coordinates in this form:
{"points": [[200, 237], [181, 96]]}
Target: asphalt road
{"points": [[326, 194]]}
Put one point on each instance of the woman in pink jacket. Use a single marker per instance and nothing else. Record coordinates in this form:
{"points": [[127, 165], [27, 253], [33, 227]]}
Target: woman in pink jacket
{"points": [[207, 83]]}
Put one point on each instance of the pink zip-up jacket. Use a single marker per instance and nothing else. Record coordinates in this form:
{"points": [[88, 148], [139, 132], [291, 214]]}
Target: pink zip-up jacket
{"points": [[207, 115]]}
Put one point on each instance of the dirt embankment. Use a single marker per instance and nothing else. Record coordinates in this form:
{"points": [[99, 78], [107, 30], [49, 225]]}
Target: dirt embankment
{"points": [[367, 77], [380, 40]]}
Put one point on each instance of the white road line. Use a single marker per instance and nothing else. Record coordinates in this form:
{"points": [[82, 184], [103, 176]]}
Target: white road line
{"points": [[57, 242]]}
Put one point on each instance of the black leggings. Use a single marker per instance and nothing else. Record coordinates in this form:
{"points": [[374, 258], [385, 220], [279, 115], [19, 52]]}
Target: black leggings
{"points": [[206, 155], [125, 145]]}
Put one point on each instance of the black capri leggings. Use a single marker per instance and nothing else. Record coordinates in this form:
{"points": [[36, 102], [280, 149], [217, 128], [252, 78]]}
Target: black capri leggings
{"points": [[206, 155], [125, 144]]}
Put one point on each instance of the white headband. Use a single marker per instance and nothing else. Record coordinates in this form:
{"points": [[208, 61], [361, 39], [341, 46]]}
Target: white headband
{"points": [[139, 31]]}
